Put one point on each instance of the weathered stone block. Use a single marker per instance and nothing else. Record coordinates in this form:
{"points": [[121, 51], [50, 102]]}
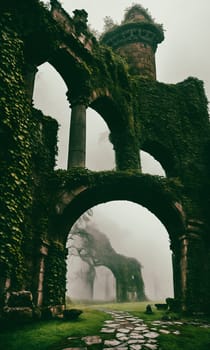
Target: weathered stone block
{"points": [[18, 314], [20, 299]]}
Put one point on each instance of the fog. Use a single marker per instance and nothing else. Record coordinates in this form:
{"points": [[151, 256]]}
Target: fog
{"points": [[132, 229]]}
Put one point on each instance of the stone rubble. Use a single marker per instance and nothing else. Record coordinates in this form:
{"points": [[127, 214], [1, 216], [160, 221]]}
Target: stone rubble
{"points": [[125, 332], [90, 340]]}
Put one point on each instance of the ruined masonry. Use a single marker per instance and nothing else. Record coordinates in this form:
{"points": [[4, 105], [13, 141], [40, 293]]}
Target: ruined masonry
{"points": [[116, 76], [94, 248]]}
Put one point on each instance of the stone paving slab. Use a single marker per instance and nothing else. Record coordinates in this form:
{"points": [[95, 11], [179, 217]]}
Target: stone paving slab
{"points": [[121, 336], [74, 349], [112, 342], [151, 346], [117, 348], [112, 325], [108, 330], [151, 335], [90, 340], [123, 330]]}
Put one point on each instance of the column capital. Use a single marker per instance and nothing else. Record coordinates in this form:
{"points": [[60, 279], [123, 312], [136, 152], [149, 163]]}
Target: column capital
{"points": [[44, 246], [77, 100], [30, 68], [30, 71], [195, 230], [196, 227], [77, 138]]}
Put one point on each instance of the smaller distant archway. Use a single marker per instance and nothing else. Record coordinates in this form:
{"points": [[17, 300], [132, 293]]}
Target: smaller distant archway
{"points": [[80, 279], [134, 231], [91, 248], [105, 285]]}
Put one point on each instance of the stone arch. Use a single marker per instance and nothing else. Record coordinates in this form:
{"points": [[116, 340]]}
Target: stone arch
{"points": [[122, 137], [105, 279], [52, 100], [100, 154], [104, 104], [72, 71], [162, 155], [145, 190], [150, 165], [69, 66]]}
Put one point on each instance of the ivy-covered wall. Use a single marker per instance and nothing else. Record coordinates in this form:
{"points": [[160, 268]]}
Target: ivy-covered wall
{"points": [[44, 151], [15, 157], [27, 157], [28, 146], [173, 126], [54, 288]]}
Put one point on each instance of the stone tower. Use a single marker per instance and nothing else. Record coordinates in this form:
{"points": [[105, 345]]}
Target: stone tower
{"points": [[136, 39]]}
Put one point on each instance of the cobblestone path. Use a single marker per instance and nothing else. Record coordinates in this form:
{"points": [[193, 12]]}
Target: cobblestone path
{"points": [[125, 332]]}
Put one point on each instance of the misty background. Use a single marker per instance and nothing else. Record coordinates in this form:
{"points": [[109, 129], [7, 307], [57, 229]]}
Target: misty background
{"points": [[132, 229]]}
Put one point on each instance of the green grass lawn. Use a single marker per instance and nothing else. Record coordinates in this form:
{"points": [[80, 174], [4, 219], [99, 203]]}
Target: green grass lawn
{"points": [[43, 335], [51, 335], [191, 338]]}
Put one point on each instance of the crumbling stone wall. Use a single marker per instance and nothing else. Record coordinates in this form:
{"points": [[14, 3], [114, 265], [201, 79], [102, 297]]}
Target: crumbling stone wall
{"points": [[96, 250]]}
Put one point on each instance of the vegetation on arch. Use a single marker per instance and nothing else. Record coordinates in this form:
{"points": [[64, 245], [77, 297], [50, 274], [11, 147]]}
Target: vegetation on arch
{"points": [[70, 179], [129, 20]]}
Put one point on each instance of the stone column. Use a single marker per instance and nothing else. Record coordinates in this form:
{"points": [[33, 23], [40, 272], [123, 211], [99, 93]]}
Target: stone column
{"points": [[29, 77], [43, 254], [126, 150], [183, 269], [4, 287], [193, 264], [77, 137], [176, 274]]}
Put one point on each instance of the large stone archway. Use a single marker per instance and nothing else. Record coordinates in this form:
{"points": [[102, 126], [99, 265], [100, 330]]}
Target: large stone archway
{"points": [[71, 201]]}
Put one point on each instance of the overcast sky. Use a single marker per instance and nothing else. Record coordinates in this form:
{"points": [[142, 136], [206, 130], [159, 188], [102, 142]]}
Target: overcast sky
{"points": [[185, 52]]}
